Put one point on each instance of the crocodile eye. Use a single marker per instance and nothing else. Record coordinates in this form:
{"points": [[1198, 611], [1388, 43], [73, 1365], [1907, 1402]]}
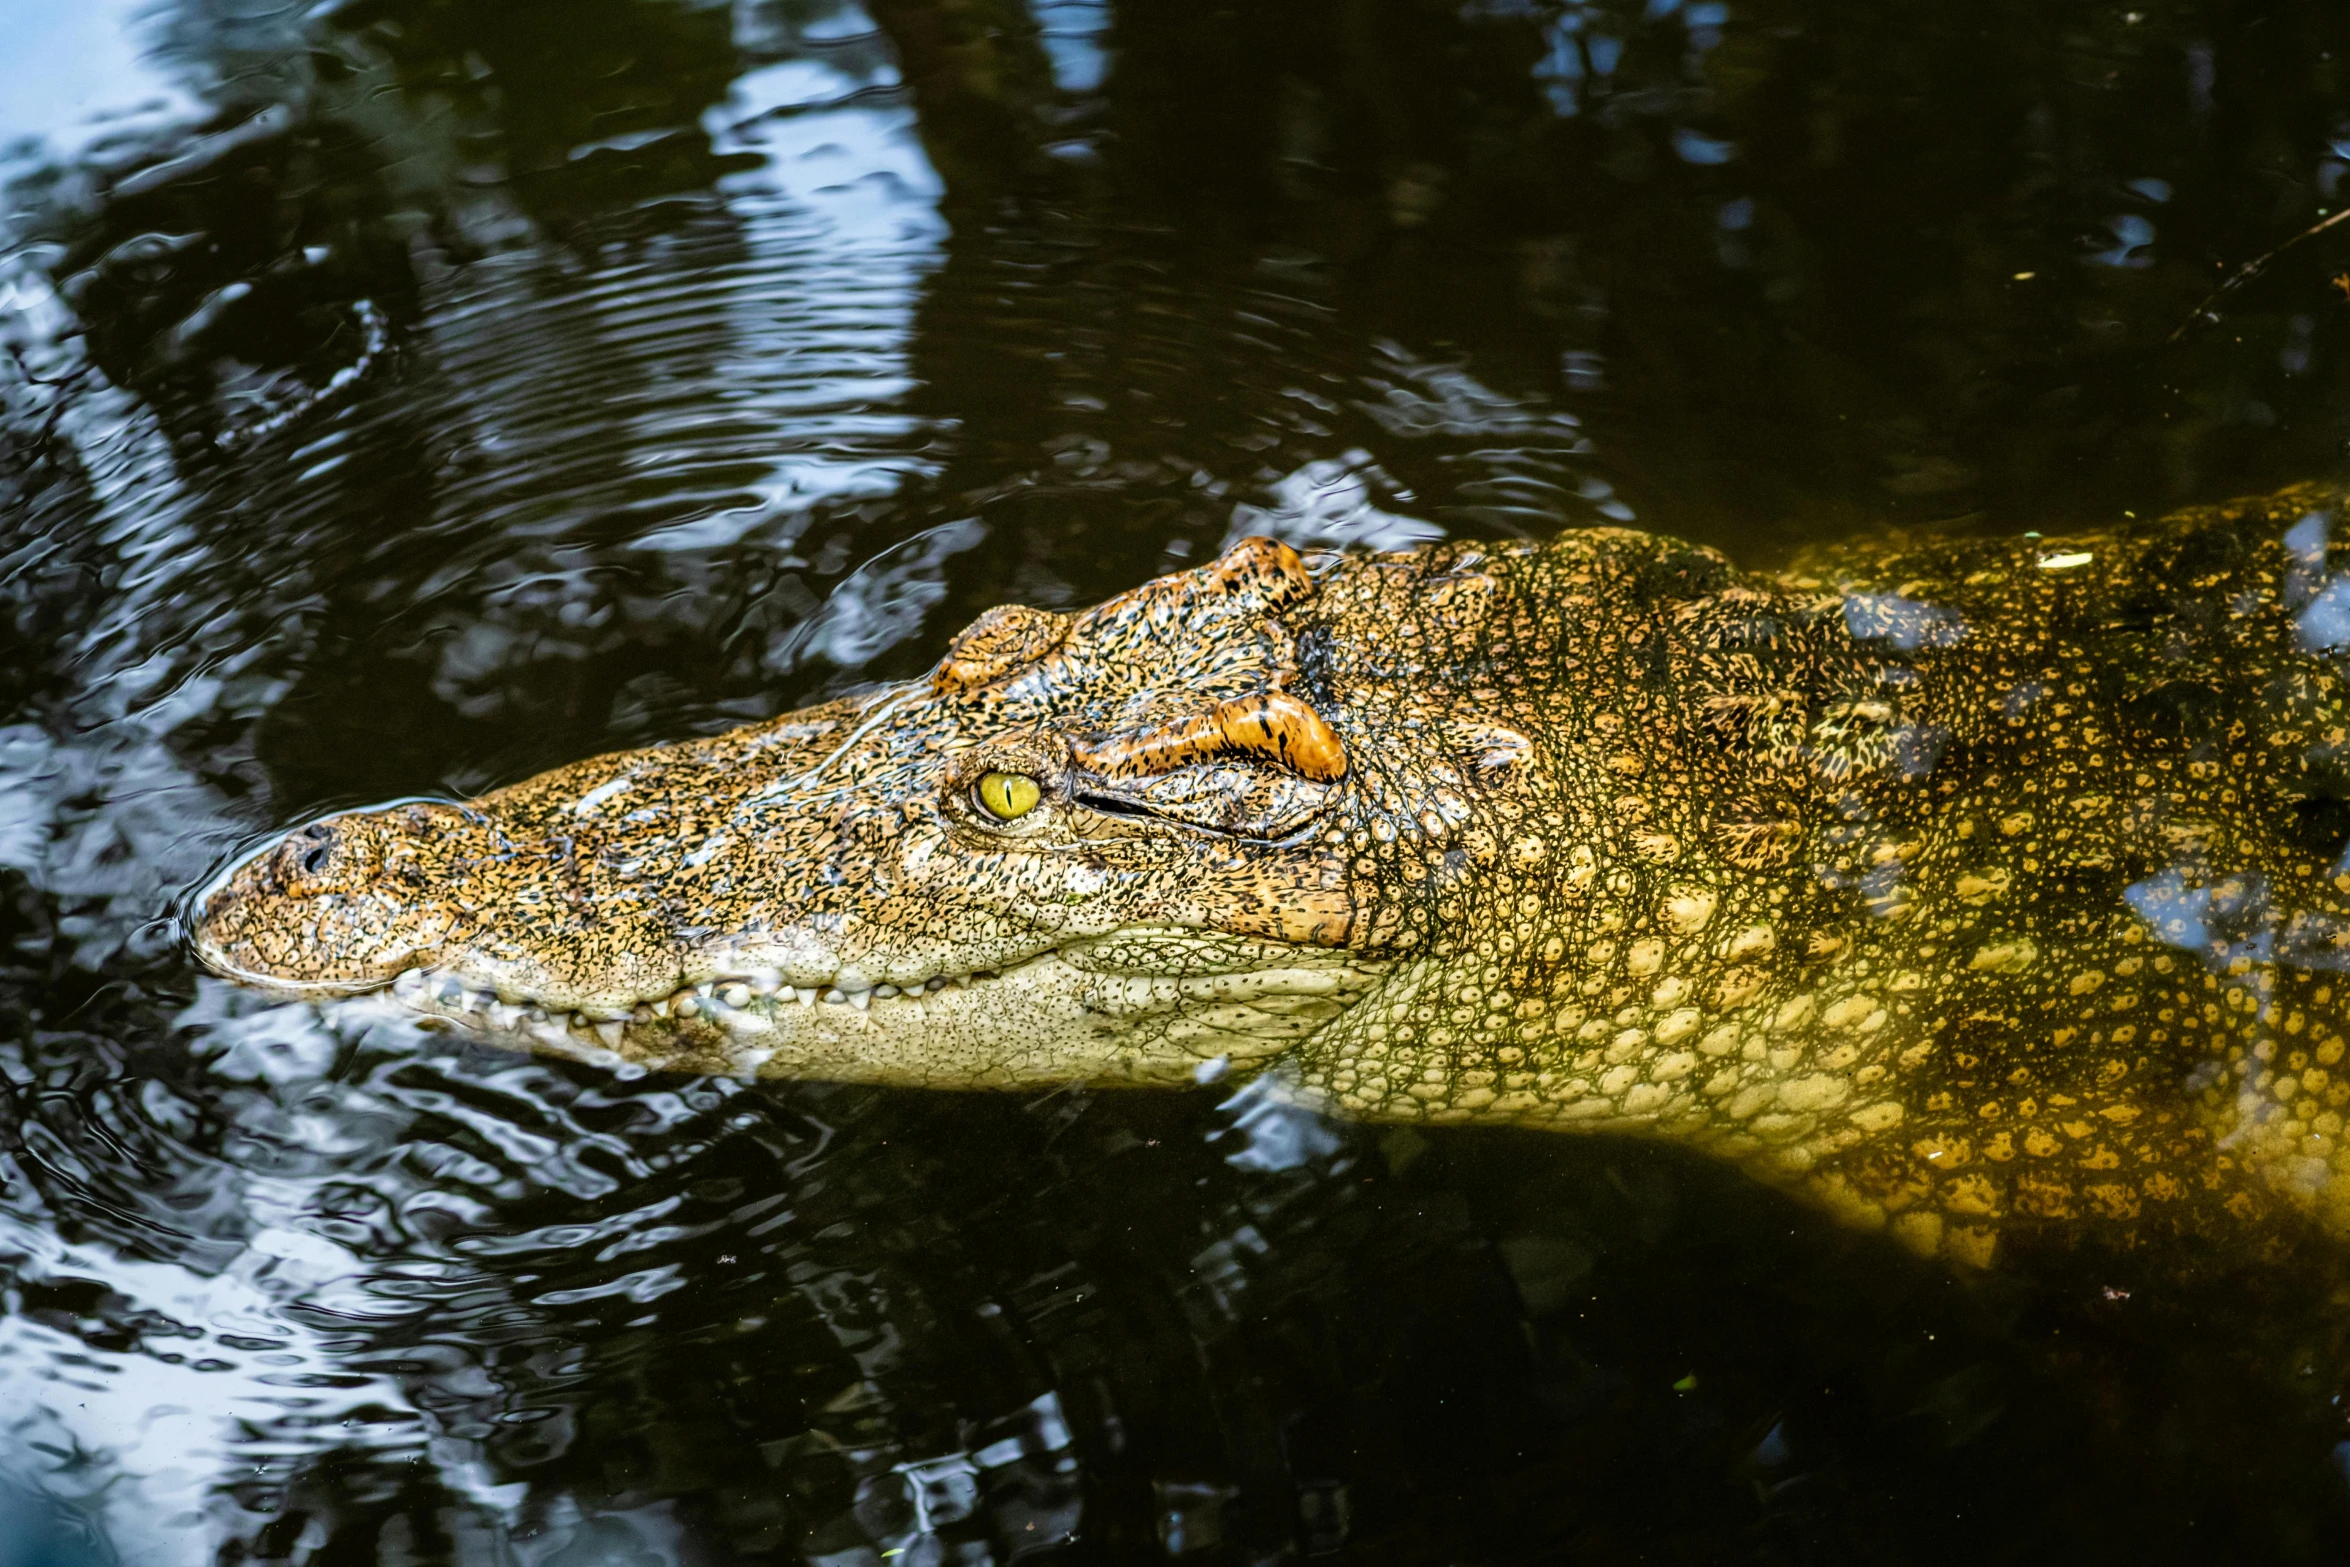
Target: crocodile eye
{"points": [[1006, 796]]}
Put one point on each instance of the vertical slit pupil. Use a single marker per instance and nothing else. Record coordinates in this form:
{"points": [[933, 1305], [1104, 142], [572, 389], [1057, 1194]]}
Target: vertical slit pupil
{"points": [[1008, 795]]}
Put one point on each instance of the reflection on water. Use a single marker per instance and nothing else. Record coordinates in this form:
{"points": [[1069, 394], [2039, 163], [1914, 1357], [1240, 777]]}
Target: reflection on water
{"points": [[402, 398]]}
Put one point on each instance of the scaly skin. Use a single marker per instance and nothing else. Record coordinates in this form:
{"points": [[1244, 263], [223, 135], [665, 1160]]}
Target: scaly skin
{"points": [[1968, 887]]}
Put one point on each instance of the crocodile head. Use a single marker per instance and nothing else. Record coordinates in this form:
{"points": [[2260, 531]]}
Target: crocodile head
{"points": [[1104, 846]]}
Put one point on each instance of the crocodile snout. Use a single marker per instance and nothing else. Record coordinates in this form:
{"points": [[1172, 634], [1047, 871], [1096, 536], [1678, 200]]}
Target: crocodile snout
{"points": [[340, 905]]}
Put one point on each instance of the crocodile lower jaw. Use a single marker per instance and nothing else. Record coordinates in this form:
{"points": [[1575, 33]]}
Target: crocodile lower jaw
{"points": [[1043, 1018], [725, 1001]]}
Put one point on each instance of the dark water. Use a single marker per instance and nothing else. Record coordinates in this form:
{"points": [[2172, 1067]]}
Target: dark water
{"points": [[401, 396]]}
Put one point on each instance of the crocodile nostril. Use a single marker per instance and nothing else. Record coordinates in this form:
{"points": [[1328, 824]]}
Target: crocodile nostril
{"points": [[307, 854]]}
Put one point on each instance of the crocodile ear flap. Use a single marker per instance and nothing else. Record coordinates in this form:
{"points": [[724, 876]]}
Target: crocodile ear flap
{"points": [[1273, 726], [1264, 574], [1279, 728], [1007, 637]]}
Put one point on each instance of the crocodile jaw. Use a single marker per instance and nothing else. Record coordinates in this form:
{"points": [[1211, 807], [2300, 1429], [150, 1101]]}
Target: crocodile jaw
{"points": [[1056, 1017]]}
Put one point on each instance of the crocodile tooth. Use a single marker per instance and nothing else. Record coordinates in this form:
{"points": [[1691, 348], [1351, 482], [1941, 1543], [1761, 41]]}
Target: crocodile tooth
{"points": [[706, 989], [736, 996], [505, 1014], [806, 993], [660, 1008], [450, 993], [409, 985], [689, 1005], [884, 992], [536, 1014], [610, 1034], [642, 1012], [935, 982], [862, 1000], [835, 997]]}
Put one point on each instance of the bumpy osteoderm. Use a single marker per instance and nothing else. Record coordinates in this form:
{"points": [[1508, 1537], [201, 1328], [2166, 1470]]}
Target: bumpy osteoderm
{"points": [[1965, 886]]}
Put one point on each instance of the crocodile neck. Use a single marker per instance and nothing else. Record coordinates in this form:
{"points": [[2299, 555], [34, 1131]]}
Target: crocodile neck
{"points": [[1864, 913]]}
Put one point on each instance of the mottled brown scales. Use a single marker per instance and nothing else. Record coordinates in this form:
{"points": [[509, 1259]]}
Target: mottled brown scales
{"points": [[1969, 887]]}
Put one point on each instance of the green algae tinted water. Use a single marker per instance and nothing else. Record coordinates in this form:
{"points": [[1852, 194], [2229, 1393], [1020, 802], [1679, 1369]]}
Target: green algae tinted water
{"points": [[399, 398]]}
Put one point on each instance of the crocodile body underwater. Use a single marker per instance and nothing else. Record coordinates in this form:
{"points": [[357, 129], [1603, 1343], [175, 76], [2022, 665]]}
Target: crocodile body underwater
{"points": [[1958, 885]]}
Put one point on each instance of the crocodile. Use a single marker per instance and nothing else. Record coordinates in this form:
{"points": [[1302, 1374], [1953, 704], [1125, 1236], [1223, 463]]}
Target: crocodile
{"points": [[1972, 888]]}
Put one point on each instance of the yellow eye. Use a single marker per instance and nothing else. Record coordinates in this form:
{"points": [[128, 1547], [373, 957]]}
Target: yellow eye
{"points": [[1006, 796]]}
